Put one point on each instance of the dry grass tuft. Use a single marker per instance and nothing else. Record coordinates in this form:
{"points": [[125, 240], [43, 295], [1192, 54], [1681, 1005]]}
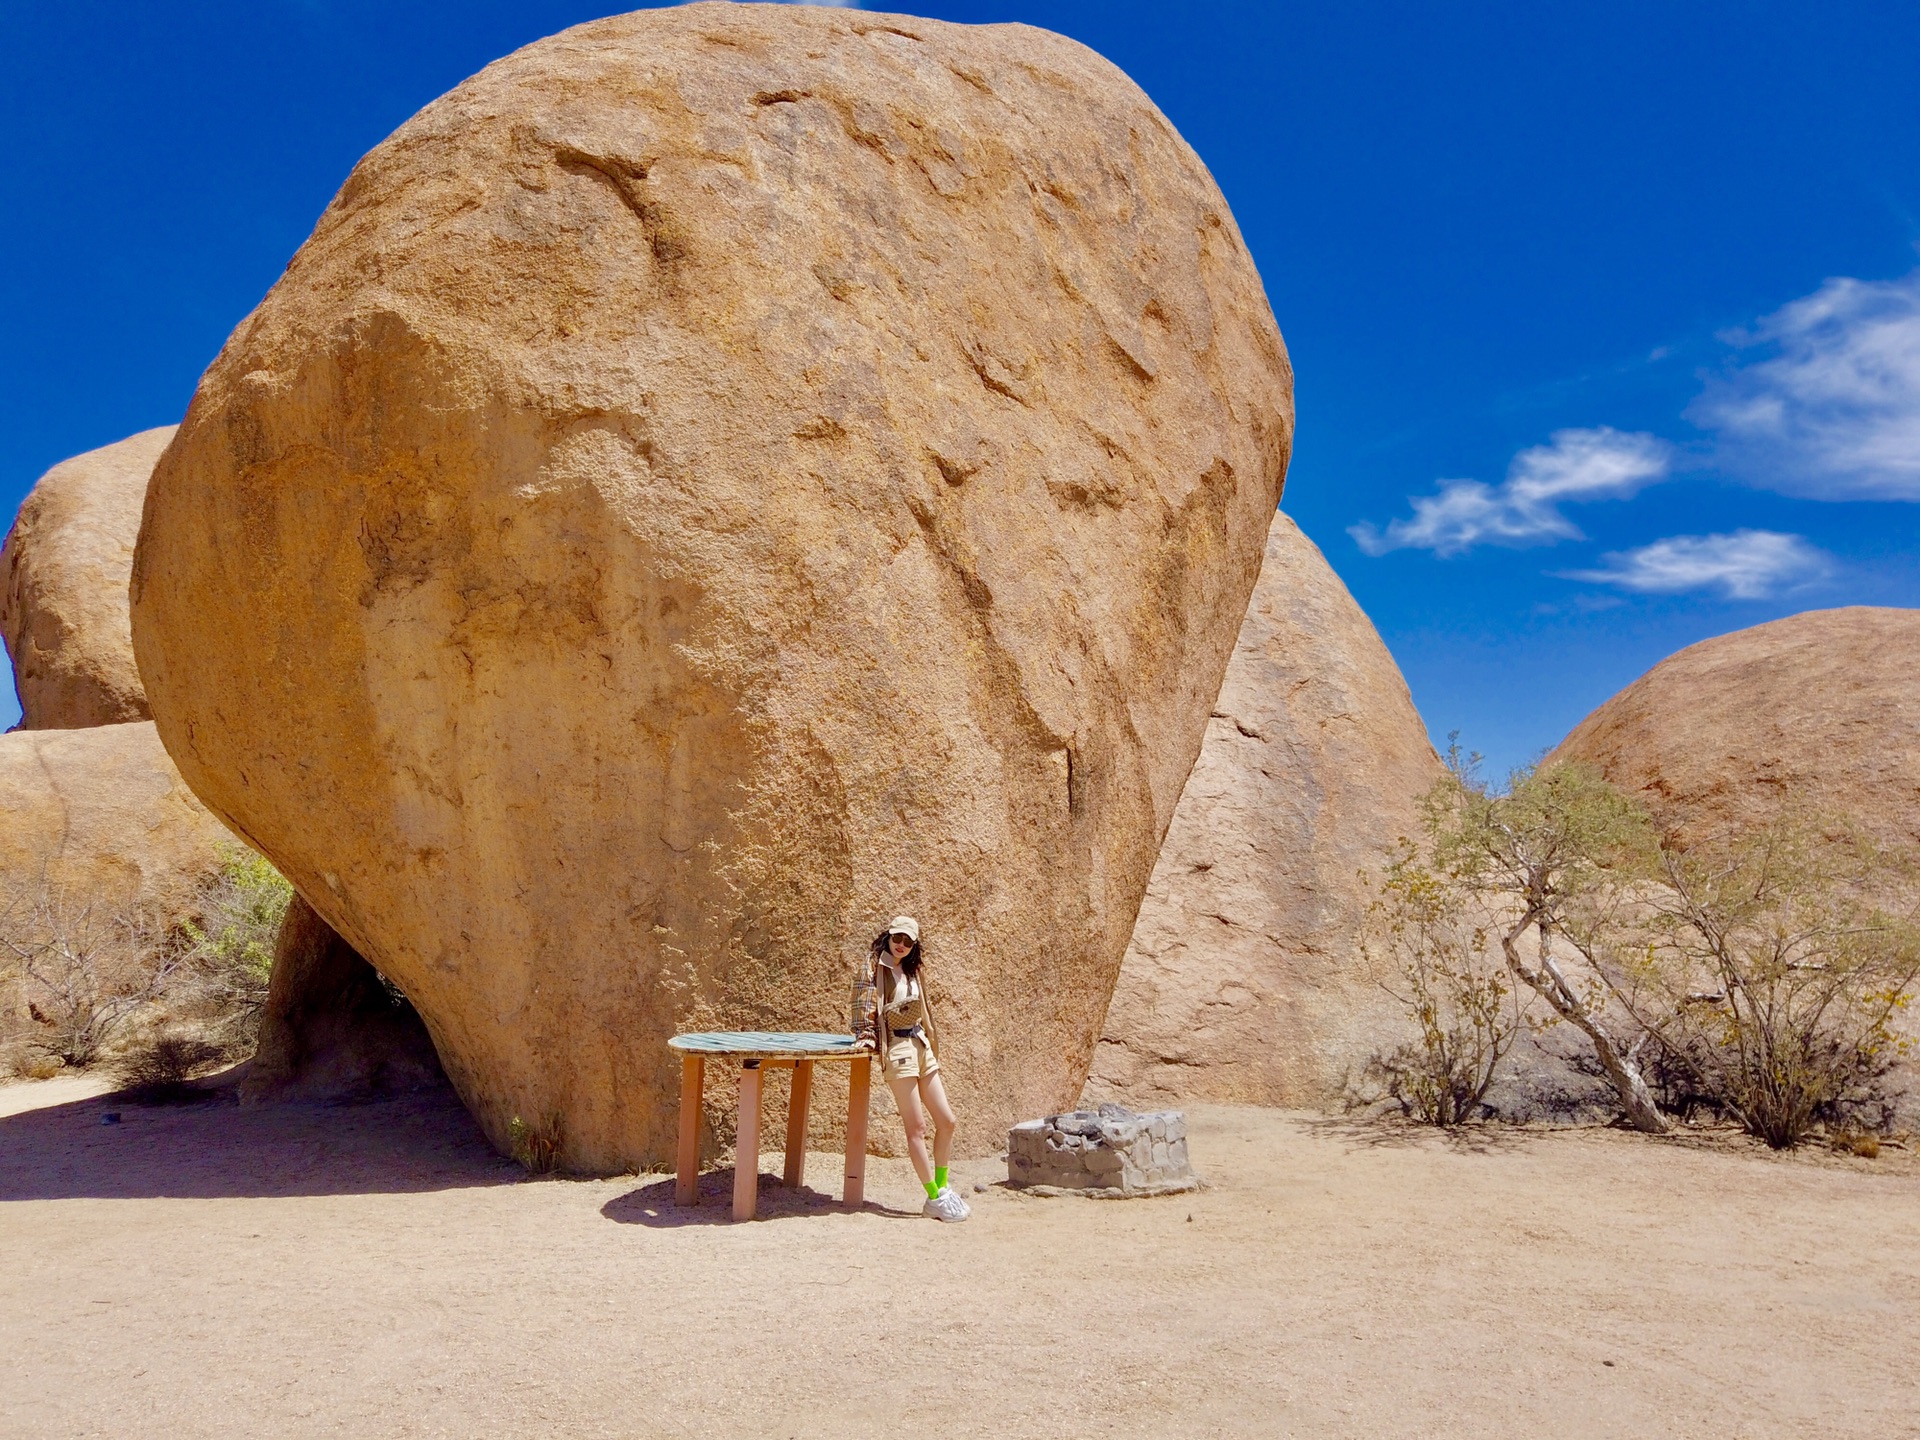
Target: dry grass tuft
{"points": [[537, 1147], [1858, 1142], [40, 1066]]}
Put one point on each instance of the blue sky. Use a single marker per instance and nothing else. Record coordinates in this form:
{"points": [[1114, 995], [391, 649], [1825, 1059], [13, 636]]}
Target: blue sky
{"points": [[1606, 317]]}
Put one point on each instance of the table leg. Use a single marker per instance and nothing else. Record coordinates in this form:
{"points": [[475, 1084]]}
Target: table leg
{"points": [[746, 1145], [799, 1098], [686, 1180], [859, 1081]]}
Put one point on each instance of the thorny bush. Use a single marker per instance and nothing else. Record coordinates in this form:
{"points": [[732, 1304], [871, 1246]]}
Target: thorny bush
{"points": [[1763, 973], [1771, 969], [85, 968], [92, 976], [1465, 1015]]}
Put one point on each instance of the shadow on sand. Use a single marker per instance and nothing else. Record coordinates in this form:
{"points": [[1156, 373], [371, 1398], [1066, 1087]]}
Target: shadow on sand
{"points": [[1394, 1133], [652, 1204], [215, 1149]]}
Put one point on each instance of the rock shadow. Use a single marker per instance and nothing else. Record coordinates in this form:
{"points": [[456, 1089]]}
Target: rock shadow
{"points": [[218, 1149], [1482, 1137], [652, 1204]]}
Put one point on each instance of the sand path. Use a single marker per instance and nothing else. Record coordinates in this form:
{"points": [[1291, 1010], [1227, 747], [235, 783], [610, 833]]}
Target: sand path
{"points": [[302, 1271]]}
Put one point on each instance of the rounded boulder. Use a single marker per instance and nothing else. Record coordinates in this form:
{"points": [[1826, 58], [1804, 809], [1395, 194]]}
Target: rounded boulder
{"points": [[1245, 981], [100, 817], [63, 588], [719, 478], [1817, 713]]}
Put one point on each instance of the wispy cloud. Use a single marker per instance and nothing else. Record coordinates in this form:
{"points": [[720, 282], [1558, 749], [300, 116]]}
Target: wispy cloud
{"points": [[1834, 413], [1743, 565], [1525, 510]]}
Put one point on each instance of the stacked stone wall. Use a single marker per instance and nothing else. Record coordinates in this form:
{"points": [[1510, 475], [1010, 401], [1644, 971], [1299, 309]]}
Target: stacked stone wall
{"points": [[1110, 1152]]}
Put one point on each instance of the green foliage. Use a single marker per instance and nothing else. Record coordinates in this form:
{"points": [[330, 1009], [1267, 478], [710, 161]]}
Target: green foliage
{"points": [[537, 1147], [1557, 851], [1552, 838], [1465, 1015], [1771, 966], [240, 921], [1766, 969]]}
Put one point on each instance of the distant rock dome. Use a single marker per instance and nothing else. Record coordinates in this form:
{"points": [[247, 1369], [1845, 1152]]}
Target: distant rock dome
{"points": [[1819, 710]]}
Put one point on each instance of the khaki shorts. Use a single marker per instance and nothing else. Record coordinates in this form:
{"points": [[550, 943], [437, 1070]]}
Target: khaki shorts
{"points": [[909, 1059]]}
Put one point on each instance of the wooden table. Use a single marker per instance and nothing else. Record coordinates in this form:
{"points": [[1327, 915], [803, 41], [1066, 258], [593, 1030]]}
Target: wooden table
{"points": [[755, 1052]]}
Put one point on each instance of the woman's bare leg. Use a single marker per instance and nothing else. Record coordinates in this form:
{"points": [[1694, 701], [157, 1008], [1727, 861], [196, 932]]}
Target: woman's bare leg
{"points": [[910, 1116], [935, 1094]]}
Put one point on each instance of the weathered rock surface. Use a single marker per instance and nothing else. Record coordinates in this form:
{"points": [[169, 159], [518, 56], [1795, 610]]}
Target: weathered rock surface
{"points": [[104, 818], [719, 478], [1244, 981], [1819, 711], [1110, 1152], [63, 588], [330, 1030]]}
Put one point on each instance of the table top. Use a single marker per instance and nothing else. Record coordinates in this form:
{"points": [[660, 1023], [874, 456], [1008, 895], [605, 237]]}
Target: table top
{"points": [[769, 1045]]}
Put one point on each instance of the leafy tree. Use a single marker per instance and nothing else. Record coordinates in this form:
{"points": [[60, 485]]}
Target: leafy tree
{"points": [[1558, 852], [1770, 968]]}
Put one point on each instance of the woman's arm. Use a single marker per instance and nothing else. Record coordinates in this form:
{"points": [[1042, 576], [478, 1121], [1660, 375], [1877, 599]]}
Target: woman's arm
{"points": [[869, 1032]]}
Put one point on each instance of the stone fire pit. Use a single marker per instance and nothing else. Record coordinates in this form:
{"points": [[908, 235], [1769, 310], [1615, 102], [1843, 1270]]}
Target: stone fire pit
{"points": [[1111, 1153]]}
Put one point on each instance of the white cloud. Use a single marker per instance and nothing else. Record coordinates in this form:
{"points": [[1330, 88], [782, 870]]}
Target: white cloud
{"points": [[1745, 565], [1834, 414], [1577, 465]]}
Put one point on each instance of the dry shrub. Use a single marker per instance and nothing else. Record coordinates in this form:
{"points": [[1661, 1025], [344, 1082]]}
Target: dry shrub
{"points": [[1858, 1142], [160, 1068], [1466, 1016], [85, 967], [89, 973], [1762, 975], [1770, 968], [38, 1066]]}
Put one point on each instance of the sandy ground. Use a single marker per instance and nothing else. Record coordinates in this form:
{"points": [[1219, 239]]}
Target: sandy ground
{"points": [[376, 1271]]}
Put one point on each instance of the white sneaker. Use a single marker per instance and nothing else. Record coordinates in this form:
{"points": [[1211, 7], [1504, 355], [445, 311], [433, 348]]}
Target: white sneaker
{"points": [[946, 1206]]}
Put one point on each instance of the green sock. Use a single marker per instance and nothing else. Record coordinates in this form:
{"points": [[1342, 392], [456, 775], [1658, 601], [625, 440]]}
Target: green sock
{"points": [[932, 1188], [940, 1177]]}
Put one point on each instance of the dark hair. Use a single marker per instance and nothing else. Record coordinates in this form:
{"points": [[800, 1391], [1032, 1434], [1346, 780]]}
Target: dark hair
{"points": [[909, 964]]}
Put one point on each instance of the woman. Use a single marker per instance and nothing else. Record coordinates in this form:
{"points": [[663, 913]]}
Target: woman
{"points": [[902, 1031]]}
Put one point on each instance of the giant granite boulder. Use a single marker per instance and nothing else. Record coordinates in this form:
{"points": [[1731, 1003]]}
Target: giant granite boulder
{"points": [[1818, 712], [101, 817], [63, 588], [718, 478], [1245, 981]]}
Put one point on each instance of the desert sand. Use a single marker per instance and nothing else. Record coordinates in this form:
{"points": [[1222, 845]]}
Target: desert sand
{"points": [[376, 1270]]}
